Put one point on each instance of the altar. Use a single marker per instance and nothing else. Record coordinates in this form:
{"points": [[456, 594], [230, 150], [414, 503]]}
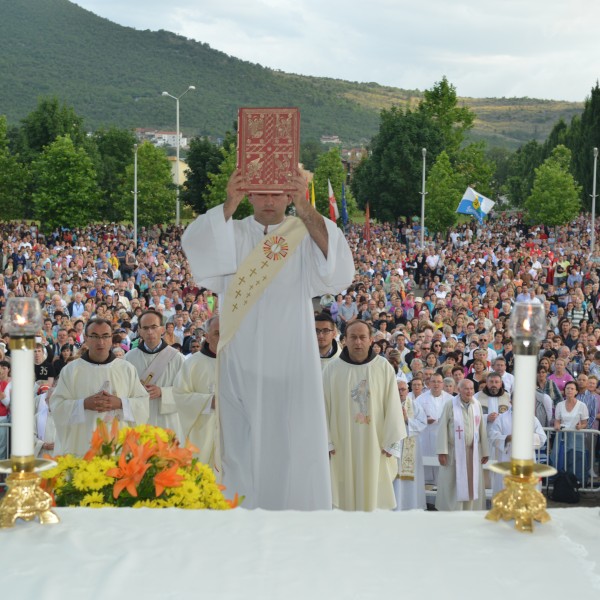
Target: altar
{"points": [[112, 554]]}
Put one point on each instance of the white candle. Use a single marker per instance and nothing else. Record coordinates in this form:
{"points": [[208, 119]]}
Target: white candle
{"points": [[523, 406], [21, 402]]}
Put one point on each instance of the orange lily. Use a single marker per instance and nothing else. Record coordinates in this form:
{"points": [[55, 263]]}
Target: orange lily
{"points": [[100, 437], [170, 452], [167, 478], [128, 475], [142, 452], [235, 502]]}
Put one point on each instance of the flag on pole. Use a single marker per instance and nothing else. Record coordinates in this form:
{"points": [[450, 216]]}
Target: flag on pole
{"points": [[367, 229], [344, 206], [312, 197], [475, 204], [334, 213]]}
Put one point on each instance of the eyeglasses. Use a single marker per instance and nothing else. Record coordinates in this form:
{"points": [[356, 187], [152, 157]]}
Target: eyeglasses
{"points": [[323, 331], [96, 337], [150, 328]]}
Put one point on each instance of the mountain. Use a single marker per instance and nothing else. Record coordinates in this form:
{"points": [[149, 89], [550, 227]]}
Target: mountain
{"points": [[114, 75]]}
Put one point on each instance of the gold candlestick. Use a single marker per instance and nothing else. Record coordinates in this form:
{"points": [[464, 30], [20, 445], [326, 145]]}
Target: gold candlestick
{"points": [[25, 499], [520, 500]]}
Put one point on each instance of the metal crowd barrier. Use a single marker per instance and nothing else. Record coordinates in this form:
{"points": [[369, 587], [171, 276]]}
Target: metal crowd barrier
{"points": [[573, 450], [4, 448]]}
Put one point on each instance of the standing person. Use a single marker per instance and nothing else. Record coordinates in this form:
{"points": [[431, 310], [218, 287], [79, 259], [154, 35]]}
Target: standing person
{"points": [[328, 347], [273, 433], [432, 402], [365, 423], [194, 394], [95, 386], [409, 485], [157, 364], [462, 448], [4, 407], [348, 312]]}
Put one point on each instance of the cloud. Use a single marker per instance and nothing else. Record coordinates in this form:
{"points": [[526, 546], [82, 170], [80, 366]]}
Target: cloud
{"points": [[538, 48]]}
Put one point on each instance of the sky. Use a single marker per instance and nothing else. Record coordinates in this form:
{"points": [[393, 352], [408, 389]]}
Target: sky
{"points": [[486, 48]]}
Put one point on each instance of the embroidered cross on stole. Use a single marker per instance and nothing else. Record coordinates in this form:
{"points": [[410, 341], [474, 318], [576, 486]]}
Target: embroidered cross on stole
{"points": [[255, 274]]}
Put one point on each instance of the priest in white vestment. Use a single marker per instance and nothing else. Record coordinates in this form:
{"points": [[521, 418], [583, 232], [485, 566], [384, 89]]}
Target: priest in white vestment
{"points": [[366, 426], [500, 439], [157, 364], [462, 448], [409, 485], [432, 402], [273, 436], [194, 394], [494, 401], [328, 346], [95, 386]]}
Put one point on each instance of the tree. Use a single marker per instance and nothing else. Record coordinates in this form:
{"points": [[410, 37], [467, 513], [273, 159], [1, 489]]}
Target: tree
{"points": [[441, 104], [329, 166], [521, 171], [13, 179], [309, 154], [584, 136], [156, 192], [203, 158], [46, 123], [113, 154], [475, 169], [555, 197], [444, 191], [390, 178], [67, 191]]}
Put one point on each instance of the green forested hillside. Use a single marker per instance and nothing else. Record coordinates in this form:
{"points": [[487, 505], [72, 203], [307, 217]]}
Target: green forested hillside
{"points": [[114, 75]]}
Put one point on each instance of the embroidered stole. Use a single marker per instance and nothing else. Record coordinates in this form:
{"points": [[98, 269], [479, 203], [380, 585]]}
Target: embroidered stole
{"points": [[158, 366], [409, 446], [255, 274], [252, 278], [460, 450]]}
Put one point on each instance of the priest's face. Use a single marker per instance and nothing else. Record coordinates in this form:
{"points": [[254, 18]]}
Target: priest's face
{"points": [[269, 209], [151, 329], [466, 389], [212, 336], [358, 341], [98, 339]]}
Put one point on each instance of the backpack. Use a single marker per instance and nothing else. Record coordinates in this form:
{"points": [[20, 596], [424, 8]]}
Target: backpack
{"points": [[565, 488]]}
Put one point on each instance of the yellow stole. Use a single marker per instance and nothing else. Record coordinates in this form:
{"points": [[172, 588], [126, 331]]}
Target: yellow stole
{"points": [[409, 446], [255, 274]]}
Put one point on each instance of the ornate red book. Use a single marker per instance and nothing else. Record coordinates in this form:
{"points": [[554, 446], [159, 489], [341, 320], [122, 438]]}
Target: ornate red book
{"points": [[268, 148]]}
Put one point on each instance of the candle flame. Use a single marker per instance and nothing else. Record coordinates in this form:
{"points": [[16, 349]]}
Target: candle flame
{"points": [[20, 320]]}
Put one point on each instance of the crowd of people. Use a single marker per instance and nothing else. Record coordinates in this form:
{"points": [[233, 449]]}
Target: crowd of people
{"points": [[438, 314]]}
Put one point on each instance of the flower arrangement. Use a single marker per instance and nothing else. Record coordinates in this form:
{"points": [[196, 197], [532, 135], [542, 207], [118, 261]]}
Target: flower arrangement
{"points": [[136, 467]]}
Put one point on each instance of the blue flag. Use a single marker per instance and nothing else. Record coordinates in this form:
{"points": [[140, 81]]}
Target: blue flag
{"points": [[344, 206], [475, 204]]}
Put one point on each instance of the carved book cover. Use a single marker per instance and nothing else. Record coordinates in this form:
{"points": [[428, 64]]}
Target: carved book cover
{"points": [[268, 147]]}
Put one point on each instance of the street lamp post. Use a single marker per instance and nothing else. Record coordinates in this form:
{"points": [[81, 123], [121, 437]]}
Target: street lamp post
{"points": [[423, 194], [178, 143], [135, 194], [593, 240]]}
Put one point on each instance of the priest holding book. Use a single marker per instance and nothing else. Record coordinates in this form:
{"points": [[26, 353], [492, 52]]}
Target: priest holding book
{"points": [[272, 445]]}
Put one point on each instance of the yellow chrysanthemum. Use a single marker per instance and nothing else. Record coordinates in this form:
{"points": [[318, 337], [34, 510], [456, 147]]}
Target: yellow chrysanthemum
{"points": [[81, 480], [93, 498]]}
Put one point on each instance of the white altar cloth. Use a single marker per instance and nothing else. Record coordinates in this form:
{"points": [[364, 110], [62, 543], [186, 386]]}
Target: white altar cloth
{"points": [[116, 554]]}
